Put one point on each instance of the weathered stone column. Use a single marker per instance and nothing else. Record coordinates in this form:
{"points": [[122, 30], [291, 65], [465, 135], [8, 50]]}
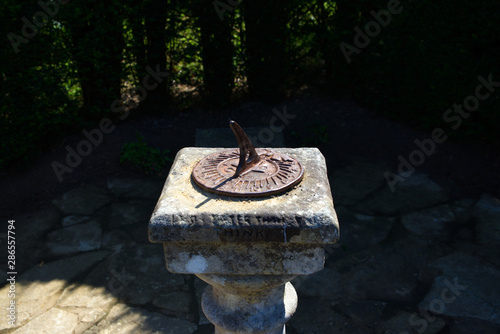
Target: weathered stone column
{"points": [[247, 249]]}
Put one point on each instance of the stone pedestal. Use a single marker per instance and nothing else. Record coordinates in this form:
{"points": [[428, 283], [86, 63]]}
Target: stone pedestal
{"points": [[246, 249]]}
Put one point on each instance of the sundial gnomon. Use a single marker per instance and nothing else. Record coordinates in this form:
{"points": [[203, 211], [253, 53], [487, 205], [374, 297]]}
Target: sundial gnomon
{"points": [[247, 171]]}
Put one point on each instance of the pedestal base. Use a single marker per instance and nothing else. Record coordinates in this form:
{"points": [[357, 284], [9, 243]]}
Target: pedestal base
{"points": [[238, 304]]}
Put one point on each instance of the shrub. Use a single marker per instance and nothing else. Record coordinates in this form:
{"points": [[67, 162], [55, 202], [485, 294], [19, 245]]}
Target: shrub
{"points": [[145, 159]]}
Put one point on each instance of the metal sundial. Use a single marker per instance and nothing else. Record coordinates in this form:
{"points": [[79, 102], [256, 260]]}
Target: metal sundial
{"points": [[247, 171]]}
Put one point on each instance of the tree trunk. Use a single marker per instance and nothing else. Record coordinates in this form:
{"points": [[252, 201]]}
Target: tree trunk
{"points": [[265, 46], [217, 52], [97, 36], [155, 13]]}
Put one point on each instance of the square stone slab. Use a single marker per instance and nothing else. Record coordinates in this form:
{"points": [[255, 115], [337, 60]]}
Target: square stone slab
{"points": [[203, 232], [187, 213]]}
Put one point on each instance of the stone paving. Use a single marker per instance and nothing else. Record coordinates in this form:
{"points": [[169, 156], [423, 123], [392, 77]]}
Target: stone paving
{"points": [[409, 261]]}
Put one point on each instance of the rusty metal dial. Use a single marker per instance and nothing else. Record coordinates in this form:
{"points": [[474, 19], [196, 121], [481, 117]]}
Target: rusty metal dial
{"points": [[247, 171]]}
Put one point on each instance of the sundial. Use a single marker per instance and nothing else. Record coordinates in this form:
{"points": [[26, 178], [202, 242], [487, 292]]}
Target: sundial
{"points": [[247, 171]]}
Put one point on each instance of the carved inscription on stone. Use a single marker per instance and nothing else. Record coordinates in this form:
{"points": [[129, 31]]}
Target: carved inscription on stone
{"points": [[241, 235]]}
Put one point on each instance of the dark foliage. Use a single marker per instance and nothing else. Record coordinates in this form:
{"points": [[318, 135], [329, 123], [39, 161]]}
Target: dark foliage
{"points": [[65, 63]]}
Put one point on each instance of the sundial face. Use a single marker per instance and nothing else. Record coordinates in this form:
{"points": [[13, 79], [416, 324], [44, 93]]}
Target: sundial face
{"points": [[273, 173]]}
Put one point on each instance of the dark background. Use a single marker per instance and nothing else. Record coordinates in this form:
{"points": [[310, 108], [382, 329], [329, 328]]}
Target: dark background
{"points": [[76, 72], [69, 69]]}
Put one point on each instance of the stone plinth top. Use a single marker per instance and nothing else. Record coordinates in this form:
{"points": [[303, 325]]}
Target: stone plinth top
{"points": [[188, 214]]}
